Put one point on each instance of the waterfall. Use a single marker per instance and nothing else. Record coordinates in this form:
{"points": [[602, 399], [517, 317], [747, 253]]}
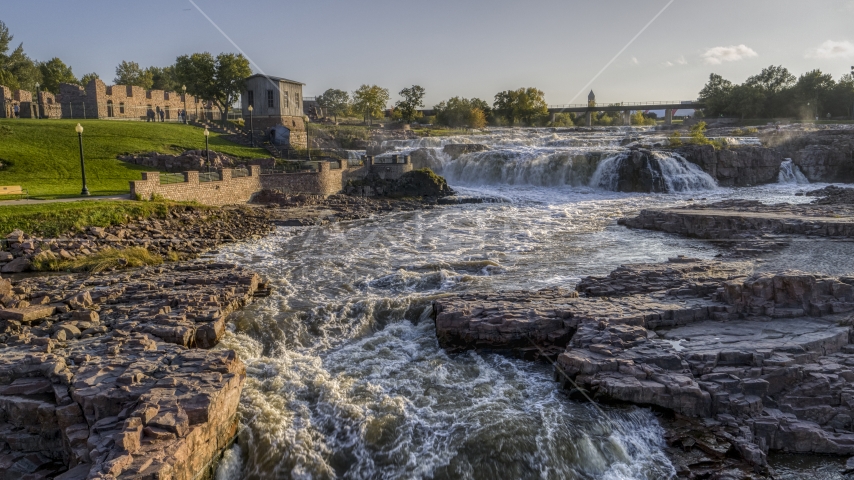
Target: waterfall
{"points": [[790, 173], [680, 175], [607, 175], [643, 171]]}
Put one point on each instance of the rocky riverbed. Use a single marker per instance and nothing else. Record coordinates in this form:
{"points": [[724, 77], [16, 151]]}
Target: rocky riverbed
{"points": [[743, 363], [112, 375], [117, 374], [764, 361]]}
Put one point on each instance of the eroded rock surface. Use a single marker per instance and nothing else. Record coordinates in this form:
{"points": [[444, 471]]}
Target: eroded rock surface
{"points": [[112, 376], [765, 361]]}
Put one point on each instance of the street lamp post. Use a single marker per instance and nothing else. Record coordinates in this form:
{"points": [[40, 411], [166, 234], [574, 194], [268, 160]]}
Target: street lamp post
{"points": [[79, 129], [184, 89], [38, 102], [251, 130], [207, 149]]}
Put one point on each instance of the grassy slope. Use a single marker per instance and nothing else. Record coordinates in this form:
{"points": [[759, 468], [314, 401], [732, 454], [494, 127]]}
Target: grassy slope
{"points": [[54, 219], [44, 156]]}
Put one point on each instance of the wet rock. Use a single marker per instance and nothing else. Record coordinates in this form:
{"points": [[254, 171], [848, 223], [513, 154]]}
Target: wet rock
{"points": [[764, 362], [18, 265], [121, 387], [457, 150]]}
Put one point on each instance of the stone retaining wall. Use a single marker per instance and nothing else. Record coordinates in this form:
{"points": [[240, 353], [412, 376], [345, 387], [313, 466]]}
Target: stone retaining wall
{"points": [[233, 190], [227, 191]]}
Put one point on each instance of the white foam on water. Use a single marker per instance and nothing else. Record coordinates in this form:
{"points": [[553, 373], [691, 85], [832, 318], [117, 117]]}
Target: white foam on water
{"points": [[345, 376], [790, 173]]}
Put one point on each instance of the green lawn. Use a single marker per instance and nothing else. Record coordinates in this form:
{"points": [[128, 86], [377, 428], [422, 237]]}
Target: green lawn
{"points": [[43, 155]]}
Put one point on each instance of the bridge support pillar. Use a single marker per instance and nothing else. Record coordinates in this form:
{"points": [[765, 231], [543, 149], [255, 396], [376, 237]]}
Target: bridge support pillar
{"points": [[553, 117], [668, 116], [589, 118], [627, 117]]}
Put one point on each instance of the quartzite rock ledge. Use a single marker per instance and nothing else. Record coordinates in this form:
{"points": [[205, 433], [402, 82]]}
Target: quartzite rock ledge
{"points": [[112, 375], [761, 362]]}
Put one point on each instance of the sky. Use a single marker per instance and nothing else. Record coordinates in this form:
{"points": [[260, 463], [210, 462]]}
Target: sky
{"points": [[468, 48]]}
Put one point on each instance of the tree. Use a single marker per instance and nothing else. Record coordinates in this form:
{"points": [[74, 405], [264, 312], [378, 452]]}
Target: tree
{"points": [[527, 105], [775, 83], [814, 88], [129, 73], [461, 112], [413, 98], [335, 102], [747, 101], [17, 70], [218, 80], [54, 72], [715, 94], [370, 101], [163, 78], [86, 79], [842, 97]]}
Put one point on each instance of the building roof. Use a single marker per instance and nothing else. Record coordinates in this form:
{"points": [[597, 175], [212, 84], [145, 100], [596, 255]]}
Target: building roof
{"points": [[278, 79], [591, 96]]}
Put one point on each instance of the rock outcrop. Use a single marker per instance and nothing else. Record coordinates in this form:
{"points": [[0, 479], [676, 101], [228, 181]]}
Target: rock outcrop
{"points": [[192, 160], [764, 360], [187, 231], [825, 155], [110, 376], [455, 150], [737, 166]]}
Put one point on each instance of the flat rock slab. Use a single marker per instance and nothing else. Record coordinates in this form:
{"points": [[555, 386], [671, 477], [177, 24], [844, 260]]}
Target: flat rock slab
{"points": [[27, 314], [789, 335]]}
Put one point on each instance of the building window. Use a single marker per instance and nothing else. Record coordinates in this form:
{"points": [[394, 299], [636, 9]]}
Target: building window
{"points": [[287, 101], [250, 97], [122, 107], [109, 108], [271, 99], [296, 96]]}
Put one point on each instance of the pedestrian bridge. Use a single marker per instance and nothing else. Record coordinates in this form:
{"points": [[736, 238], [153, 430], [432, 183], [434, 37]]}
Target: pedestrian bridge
{"points": [[669, 107]]}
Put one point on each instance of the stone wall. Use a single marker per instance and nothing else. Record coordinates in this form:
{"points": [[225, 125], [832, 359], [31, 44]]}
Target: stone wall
{"points": [[234, 190], [97, 100], [227, 191], [326, 181], [329, 179], [9, 98]]}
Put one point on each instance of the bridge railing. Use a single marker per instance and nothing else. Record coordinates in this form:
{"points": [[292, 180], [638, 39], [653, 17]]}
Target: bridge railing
{"points": [[627, 104]]}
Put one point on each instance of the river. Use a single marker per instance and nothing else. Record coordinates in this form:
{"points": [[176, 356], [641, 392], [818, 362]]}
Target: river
{"points": [[345, 377]]}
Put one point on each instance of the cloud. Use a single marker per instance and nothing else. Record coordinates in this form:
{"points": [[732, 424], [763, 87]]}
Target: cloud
{"points": [[733, 53], [679, 61], [831, 49]]}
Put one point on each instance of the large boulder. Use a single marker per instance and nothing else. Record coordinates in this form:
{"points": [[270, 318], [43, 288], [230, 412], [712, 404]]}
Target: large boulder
{"points": [[18, 265], [420, 183], [458, 149], [738, 166]]}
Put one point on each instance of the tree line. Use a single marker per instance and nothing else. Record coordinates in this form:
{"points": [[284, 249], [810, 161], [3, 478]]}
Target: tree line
{"points": [[777, 93], [525, 106]]}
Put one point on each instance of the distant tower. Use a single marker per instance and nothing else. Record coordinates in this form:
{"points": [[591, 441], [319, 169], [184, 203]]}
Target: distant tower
{"points": [[591, 99]]}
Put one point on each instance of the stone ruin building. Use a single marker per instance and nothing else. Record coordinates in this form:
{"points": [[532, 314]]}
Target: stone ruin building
{"points": [[277, 109], [99, 101]]}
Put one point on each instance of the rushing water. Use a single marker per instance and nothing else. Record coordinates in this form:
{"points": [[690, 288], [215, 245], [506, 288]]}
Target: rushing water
{"points": [[345, 378], [790, 173]]}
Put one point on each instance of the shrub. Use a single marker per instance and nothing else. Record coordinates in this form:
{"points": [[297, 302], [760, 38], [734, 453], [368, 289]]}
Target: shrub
{"points": [[105, 259], [674, 140]]}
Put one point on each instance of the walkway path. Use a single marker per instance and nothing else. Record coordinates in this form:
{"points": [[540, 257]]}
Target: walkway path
{"points": [[59, 200]]}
